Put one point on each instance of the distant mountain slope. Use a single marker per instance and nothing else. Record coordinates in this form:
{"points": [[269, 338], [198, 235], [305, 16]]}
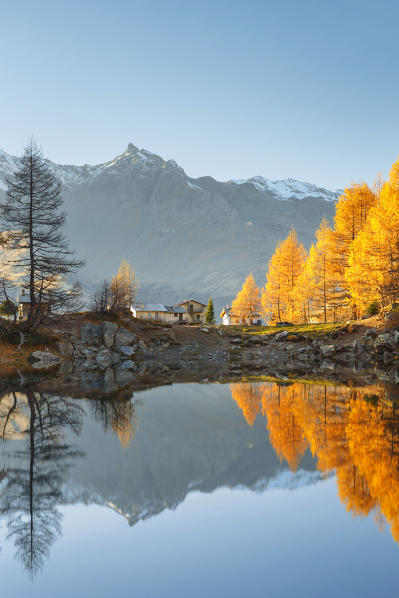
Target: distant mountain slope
{"points": [[184, 236]]}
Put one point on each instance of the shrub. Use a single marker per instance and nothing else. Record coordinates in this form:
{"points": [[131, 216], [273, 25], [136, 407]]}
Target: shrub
{"points": [[373, 308]]}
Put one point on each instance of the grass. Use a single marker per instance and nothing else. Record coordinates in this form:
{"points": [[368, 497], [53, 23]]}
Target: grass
{"points": [[306, 329]]}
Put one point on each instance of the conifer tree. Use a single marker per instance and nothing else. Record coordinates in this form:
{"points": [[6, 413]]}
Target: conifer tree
{"points": [[31, 215], [210, 312], [285, 267], [247, 303], [373, 269]]}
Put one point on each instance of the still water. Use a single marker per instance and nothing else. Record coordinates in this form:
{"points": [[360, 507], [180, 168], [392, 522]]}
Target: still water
{"points": [[248, 489]]}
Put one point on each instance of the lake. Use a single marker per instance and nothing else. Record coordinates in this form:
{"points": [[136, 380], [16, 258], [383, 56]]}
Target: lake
{"points": [[255, 488]]}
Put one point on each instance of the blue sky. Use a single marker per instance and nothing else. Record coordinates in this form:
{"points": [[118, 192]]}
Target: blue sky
{"points": [[304, 89]]}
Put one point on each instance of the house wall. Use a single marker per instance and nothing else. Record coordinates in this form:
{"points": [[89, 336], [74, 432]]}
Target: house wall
{"points": [[160, 316], [198, 313]]}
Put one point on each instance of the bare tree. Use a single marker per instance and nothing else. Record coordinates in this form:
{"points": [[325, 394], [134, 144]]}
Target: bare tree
{"points": [[31, 215]]}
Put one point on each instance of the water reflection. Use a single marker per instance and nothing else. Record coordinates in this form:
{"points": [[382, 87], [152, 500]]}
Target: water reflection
{"points": [[353, 432], [57, 450], [39, 455]]}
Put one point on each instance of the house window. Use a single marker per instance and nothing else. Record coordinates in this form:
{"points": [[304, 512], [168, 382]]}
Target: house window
{"points": [[156, 315], [175, 315], [198, 318], [190, 307]]}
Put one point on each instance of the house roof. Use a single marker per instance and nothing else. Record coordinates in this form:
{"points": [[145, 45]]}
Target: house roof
{"points": [[159, 307]]}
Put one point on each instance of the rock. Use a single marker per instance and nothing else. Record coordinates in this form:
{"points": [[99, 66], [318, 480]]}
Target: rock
{"points": [[115, 357], [357, 347], [109, 383], [44, 359], [126, 350], [125, 337], [327, 365], [327, 350], [92, 380], [126, 365], [371, 333], [236, 340], [142, 347], [204, 329], [90, 364], [281, 336], [123, 377], [109, 331], [294, 338], [65, 348], [396, 337], [383, 342], [104, 358], [91, 334], [388, 357]]}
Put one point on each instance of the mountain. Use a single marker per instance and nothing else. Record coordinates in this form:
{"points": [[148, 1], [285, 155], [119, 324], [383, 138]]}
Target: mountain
{"points": [[184, 236]]}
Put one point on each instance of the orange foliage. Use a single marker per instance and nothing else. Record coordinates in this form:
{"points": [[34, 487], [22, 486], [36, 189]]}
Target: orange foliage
{"points": [[351, 432]]}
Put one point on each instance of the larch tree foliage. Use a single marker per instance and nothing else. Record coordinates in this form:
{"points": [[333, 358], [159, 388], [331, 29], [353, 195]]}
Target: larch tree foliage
{"points": [[210, 312], [350, 218], [373, 268], [285, 267], [325, 297], [34, 223], [123, 287], [247, 304]]}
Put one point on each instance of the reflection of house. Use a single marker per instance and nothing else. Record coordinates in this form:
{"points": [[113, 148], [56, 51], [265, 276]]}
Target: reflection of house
{"points": [[23, 302], [185, 311], [229, 319]]}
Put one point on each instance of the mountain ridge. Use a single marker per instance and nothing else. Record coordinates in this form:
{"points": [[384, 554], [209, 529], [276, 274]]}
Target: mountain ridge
{"points": [[184, 236]]}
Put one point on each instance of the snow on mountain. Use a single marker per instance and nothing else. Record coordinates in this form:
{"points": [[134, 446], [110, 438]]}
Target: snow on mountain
{"points": [[184, 236], [289, 188]]}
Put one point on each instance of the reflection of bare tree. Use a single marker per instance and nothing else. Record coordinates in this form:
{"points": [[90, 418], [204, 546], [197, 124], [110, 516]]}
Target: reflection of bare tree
{"points": [[37, 469], [119, 416]]}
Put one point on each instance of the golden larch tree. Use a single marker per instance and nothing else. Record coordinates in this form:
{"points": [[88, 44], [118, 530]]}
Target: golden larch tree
{"points": [[246, 306], [285, 267]]}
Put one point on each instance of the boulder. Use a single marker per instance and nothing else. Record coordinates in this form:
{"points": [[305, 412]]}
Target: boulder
{"points": [[281, 336], [383, 342], [327, 350], [104, 358], [204, 329], [109, 331], [123, 377], [127, 365], [109, 383], [371, 333], [126, 350], [91, 334], [44, 359], [65, 348], [125, 337], [142, 347]]}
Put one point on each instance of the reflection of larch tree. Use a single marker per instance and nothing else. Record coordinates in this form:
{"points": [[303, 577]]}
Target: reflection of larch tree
{"points": [[119, 416], [33, 484]]}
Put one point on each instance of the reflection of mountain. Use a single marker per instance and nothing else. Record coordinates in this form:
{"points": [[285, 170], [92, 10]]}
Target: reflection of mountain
{"points": [[188, 437]]}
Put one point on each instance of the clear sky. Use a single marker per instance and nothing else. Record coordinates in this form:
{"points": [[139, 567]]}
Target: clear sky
{"points": [[230, 88]]}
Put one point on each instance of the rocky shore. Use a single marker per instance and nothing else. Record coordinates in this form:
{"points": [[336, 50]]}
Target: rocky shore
{"points": [[104, 356]]}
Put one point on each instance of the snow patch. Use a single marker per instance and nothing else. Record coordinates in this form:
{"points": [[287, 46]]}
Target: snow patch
{"points": [[193, 186], [286, 189]]}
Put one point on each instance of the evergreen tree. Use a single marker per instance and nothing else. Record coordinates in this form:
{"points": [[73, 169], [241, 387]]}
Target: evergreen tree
{"points": [[210, 312], [31, 215]]}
